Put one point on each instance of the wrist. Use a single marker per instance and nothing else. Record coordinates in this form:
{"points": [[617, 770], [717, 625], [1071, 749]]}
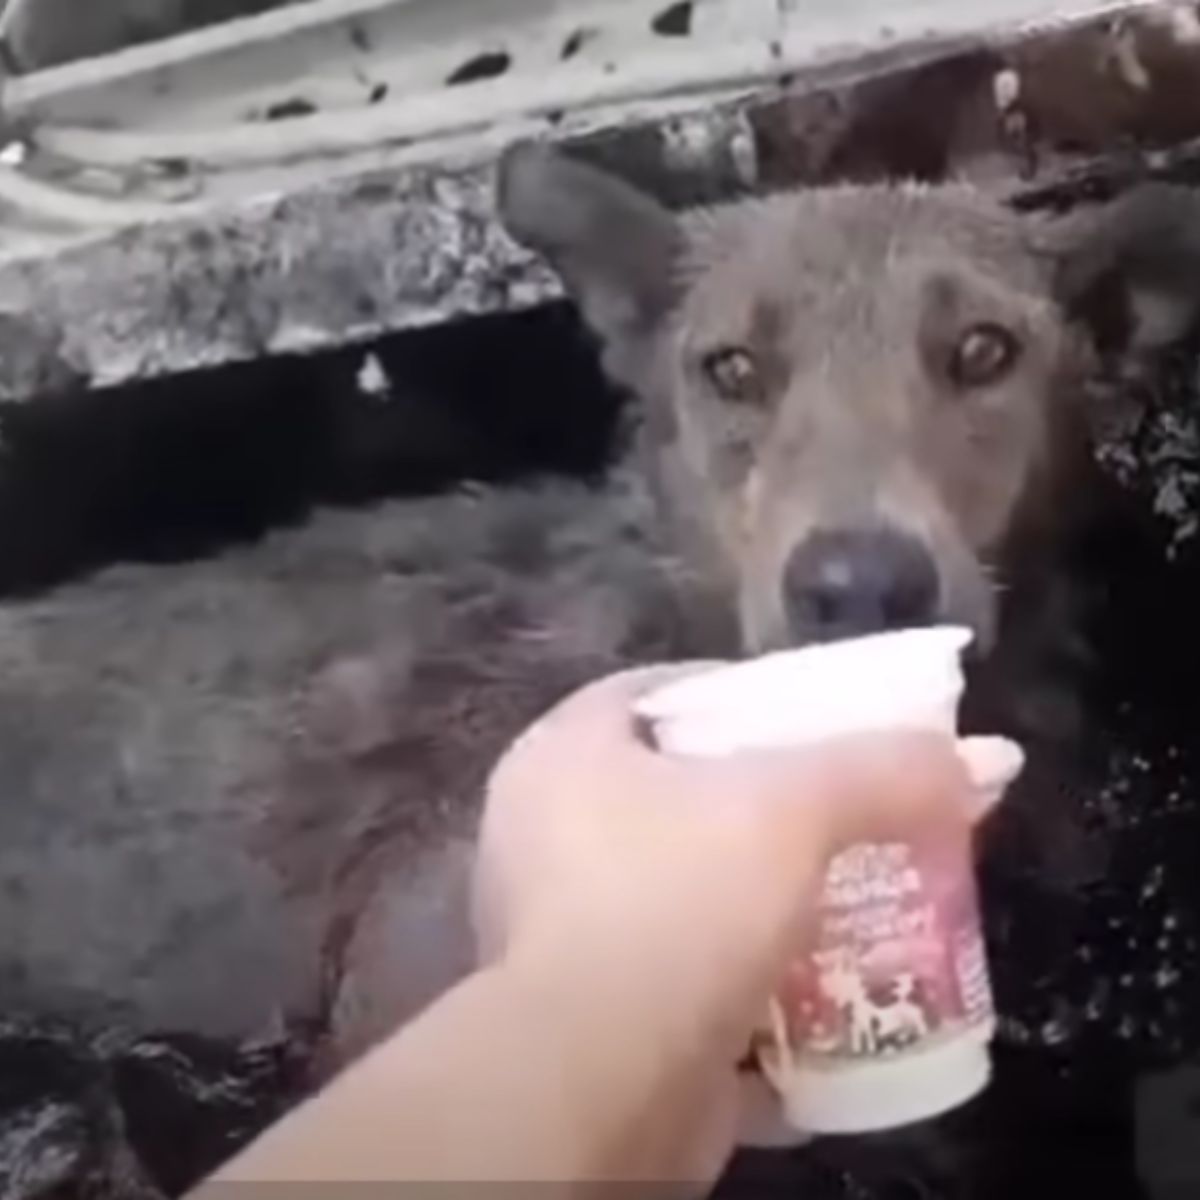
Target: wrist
{"points": [[650, 995], [630, 1070], [669, 980]]}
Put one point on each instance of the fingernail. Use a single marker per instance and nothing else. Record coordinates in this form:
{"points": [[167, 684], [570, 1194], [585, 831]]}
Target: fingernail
{"points": [[992, 764]]}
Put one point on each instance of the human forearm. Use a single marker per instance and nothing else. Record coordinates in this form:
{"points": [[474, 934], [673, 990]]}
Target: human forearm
{"points": [[543, 1069]]}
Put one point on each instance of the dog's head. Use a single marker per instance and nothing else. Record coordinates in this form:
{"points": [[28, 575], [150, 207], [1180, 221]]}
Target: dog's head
{"points": [[863, 396]]}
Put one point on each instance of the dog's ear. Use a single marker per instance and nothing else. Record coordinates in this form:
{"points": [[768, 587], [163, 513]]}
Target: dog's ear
{"points": [[1131, 268], [614, 247]]}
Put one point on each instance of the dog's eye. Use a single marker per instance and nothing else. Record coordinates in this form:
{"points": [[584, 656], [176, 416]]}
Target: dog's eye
{"points": [[733, 375], [984, 355]]}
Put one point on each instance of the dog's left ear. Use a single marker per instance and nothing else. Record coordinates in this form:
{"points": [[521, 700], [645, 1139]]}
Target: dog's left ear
{"points": [[1130, 268]]}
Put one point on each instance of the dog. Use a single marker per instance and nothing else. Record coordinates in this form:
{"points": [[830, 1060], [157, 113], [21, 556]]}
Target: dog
{"points": [[245, 788]]}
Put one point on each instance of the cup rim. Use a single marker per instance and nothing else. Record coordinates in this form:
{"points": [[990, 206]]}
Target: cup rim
{"points": [[875, 657]]}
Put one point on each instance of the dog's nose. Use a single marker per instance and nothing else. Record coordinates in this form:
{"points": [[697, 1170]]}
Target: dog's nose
{"points": [[846, 583]]}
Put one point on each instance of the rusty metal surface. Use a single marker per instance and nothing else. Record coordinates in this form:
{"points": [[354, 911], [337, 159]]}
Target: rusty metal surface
{"points": [[355, 257]]}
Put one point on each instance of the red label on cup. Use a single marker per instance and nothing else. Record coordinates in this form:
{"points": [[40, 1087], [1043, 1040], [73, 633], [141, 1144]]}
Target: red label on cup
{"points": [[898, 963]]}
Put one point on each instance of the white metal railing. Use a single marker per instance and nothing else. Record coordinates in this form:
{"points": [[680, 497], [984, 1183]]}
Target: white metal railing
{"points": [[372, 78]]}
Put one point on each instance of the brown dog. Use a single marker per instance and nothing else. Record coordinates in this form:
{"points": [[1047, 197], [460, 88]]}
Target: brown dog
{"points": [[248, 785]]}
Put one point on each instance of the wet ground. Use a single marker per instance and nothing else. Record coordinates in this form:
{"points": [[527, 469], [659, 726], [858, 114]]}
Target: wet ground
{"points": [[134, 1118]]}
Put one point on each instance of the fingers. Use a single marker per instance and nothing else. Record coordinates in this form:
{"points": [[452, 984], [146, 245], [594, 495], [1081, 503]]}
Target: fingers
{"points": [[908, 771], [859, 787], [782, 817], [904, 782], [992, 764], [871, 787], [866, 787]]}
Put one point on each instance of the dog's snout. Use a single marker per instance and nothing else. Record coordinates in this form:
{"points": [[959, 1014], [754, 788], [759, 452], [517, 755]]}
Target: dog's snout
{"points": [[845, 583]]}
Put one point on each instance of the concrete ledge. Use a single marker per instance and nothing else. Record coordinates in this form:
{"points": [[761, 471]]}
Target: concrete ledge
{"points": [[331, 264]]}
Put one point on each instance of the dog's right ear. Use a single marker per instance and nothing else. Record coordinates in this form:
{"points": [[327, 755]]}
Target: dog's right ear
{"points": [[1133, 261], [614, 247]]}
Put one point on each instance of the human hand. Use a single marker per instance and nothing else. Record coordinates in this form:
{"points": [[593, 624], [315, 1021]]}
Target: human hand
{"points": [[679, 889]]}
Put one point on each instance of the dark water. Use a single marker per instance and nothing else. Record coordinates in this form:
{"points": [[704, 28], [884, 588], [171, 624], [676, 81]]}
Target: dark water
{"points": [[169, 469], [110, 1115]]}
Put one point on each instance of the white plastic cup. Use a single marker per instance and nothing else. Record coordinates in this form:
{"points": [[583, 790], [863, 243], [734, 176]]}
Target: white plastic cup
{"points": [[888, 1020]]}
